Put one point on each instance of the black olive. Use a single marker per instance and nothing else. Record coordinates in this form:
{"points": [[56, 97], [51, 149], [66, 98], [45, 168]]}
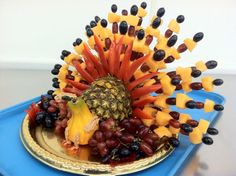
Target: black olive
{"points": [[159, 55], [65, 53], [156, 23], [96, 18], [175, 81], [218, 82], [212, 131], [123, 27], [198, 37], [219, 107], [56, 84], [134, 10], [211, 64], [196, 73], [57, 66], [141, 34], [174, 141], [93, 24], [191, 104], [104, 23], [144, 5], [207, 140], [169, 59], [89, 32], [114, 8], [50, 92], [172, 40], [160, 12], [180, 19], [55, 71], [186, 128], [55, 80], [78, 41]]}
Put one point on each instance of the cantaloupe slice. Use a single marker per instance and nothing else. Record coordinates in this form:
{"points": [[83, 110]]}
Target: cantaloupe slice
{"points": [[190, 44], [203, 125], [174, 26], [209, 105], [161, 101], [167, 87], [162, 118], [181, 100], [175, 53], [183, 118], [207, 83], [195, 136], [200, 65], [162, 131]]}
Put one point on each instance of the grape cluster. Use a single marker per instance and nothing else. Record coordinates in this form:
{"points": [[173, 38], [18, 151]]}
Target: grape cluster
{"points": [[124, 141]]}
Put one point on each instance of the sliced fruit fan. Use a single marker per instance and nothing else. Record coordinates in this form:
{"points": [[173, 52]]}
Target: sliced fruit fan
{"points": [[113, 94]]}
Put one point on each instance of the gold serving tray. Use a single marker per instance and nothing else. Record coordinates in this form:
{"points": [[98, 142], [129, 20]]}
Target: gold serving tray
{"points": [[46, 147]]}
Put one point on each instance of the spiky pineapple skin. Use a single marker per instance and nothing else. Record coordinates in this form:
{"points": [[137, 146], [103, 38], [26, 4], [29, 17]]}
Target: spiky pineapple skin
{"points": [[108, 97]]}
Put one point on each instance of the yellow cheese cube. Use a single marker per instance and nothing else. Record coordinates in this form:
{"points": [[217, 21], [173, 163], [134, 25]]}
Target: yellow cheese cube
{"points": [[162, 118], [174, 130], [190, 44], [203, 125], [209, 105], [174, 26], [207, 83], [167, 87], [161, 101], [148, 122], [112, 17], [150, 111], [181, 99], [162, 131], [195, 136], [200, 65], [141, 12], [183, 118]]}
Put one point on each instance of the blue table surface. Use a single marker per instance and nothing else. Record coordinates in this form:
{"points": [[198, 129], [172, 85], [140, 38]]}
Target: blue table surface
{"points": [[16, 161]]}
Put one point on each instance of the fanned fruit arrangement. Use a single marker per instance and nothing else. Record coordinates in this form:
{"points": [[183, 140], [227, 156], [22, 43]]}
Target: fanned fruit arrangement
{"points": [[113, 95]]}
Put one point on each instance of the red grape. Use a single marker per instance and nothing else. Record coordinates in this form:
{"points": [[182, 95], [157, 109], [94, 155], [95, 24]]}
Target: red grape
{"points": [[136, 122], [111, 143], [102, 148], [99, 136], [149, 141], [146, 148], [108, 134], [143, 132], [92, 142], [127, 138]]}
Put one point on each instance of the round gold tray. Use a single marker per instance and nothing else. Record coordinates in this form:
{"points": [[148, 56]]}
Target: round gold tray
{"points": [[46, 147]]}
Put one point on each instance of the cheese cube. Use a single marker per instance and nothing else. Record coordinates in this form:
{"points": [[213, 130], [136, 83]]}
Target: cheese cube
{"points": [[162, 118], [183, 118], [162, 131], [209, 105], [203, 125], [195, 136]]}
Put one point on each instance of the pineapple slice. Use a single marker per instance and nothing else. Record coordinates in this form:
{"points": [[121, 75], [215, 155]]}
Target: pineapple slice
{"points": [[200, 65], [167, 87], [190, 44], [203, 125], [181, 100], [174, 26], [162, 131], [112, 17], [207, 83], [70, 57], [149, 82], [174, 130], [183, 118], [162, 118], [81, 125], [161, 101], [91, 42], [150, 111], [151, 31], [148, 122], [209, 105], [141, 12], [185, 73], [195, 136]]}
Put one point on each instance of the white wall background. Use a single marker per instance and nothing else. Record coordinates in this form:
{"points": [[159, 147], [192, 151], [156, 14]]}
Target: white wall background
{"points": [[33, 32]]}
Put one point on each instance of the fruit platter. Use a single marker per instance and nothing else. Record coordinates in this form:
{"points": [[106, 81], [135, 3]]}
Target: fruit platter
{"points": [[111, 109]]}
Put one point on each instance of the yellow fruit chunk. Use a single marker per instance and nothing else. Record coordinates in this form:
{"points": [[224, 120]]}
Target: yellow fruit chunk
{"points": [[130, 19], [150, 111], [161, 101], [195, 136], [112, 18], [174, 26], [69, 58], [167, 87], [166, 110], [141, 12], [174, 130], [183, 118], [127, 39], [162, 41], [148, 122], [62, 85], [207, 83], [79, 48], [81, 125], [209, 105], [190, 44], [203, 125], [62, 73], [181, 99], [76, 76], [186, 87], [185, 73], [200, 65], [162, 118], [151, 31], [162, 131], [139, 46], [175, 53], [91, 42], [149, 82], [161, 65], [152, 64], [83, 65], [138, 73]]}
